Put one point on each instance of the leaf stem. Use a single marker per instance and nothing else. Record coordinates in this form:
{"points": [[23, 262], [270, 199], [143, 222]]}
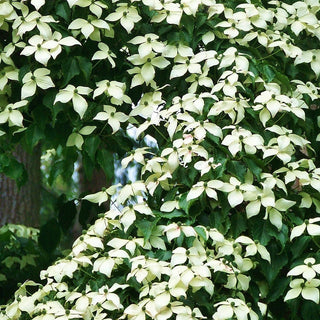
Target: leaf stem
{"points": [[161, 134], [87, 273], [270, 55]]}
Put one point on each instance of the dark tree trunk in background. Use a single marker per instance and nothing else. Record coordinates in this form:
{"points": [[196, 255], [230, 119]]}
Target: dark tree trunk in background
{"points": [[97, 181], [93, 185], [22, 206]]}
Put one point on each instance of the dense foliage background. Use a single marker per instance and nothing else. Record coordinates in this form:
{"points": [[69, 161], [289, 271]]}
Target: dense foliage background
{"points": [[223, 222]]}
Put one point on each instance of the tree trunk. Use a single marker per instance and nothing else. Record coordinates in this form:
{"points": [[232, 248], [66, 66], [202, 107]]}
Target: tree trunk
{"points": [[22, 206], [93, 185], [88, 186]]}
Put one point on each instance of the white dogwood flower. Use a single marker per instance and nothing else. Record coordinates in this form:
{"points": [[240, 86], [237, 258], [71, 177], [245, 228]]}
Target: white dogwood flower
{"points": [[31, 80], [136, 155], [206, 166], [113, 117], [207, 187], [171, 51], [226, 309], [6, 74], [128, 16], [55, 42], [104, 53], [96, 7], [230, 56], [113, 89], [308, 289], [148, 63], [199, 80], [309, 270], [74, 94], [174, 230], [38, 3], [228, 83], [131, 189], [186, 64], [101, 196], [89, 28], [27, 22], [253, 247], [235, 190], [311, 57], [310, 225], [274, 213], [264, 197], [11, 115], [171, 11], [233, 107], [286, 137], [37, 47], [147, 44], [242, 138]]}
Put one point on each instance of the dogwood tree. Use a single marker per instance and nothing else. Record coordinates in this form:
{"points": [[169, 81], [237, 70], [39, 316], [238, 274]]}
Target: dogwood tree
{"points": [[224, 220]]}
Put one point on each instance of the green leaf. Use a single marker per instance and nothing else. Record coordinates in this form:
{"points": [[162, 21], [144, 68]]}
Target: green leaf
{"points": [[91, 145], [200, 20], [9, 261], [120, 143], [278, 261], [268, 72], [203, 299], [282, 236], [163, 255], [284, 81], [5, 236], [262, 230], [32, 136], [85, 67], [253, 167], [310, 310], [63, 10], [13, 169], [277, 289], [201, 232], [225, 206], [56, 170], [171, 215], [187, 179], [219, 219], [71, 69], [48, 101], [255, 292], [67, 212], [238, 224], [88, 212], [238, 169], [299, 246], [49, 236], [23, 71], [188, 23], [106, 161], [180, 239], [3, 277], [186, 205], [146, 227], [88, 165]]}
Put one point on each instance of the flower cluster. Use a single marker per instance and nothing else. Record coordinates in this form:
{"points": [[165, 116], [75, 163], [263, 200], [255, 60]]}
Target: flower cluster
{"points": [[229, 91]]}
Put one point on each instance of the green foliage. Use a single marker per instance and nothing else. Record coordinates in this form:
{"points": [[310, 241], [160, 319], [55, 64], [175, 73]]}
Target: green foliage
{"points": [[20, 255]]}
